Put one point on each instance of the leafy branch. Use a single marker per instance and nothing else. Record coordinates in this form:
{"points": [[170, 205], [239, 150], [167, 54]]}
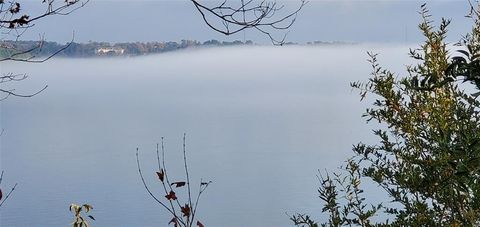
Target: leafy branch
{"points": [[78, 220], [183, 213]]}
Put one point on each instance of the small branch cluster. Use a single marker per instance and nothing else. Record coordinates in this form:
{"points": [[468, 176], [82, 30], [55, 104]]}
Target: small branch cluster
{"points": [[234, 17], [466, 63], [473, 9], [303, 220], [78, 220], [14, 21], [183, 213], [343, 200], [12, 18], [12, 77]]}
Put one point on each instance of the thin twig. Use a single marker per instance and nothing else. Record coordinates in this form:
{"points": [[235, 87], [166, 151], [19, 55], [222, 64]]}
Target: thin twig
{"points": [[8, 195], [168, 180], [148, 189], [11, 190], [237, 19], [164, 173], [186, 170]]}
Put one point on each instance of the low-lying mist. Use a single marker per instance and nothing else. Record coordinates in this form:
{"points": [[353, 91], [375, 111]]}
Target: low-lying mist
{"points": [[260, 121]]}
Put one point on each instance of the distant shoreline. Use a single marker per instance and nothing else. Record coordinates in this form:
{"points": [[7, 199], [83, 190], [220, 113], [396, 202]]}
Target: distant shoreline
{"points": [[104, 49]]}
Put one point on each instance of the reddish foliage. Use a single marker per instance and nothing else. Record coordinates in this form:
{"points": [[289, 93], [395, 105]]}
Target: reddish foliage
{"points": [[171, 196], [161, 175], [186, 210], [178, 184], [174, 221]]}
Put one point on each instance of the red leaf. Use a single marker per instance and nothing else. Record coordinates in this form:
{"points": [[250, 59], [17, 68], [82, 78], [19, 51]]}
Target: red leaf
{"points": [[171, 196], [179, 184], [199, 224], [186, 210], [161, 175], [174, 221]]}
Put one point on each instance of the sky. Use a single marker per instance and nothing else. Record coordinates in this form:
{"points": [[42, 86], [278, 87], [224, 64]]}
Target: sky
{"points": [[388, 21]]}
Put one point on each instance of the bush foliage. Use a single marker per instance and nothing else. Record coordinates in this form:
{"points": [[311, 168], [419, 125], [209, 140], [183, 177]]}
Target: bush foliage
{"points": [[427, 158]]}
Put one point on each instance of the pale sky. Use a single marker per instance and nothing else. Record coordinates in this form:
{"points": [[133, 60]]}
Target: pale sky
{"points": [[371, 21]]}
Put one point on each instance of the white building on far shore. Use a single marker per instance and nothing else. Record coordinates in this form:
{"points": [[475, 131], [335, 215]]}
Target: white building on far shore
{"points": [[109, 51]]}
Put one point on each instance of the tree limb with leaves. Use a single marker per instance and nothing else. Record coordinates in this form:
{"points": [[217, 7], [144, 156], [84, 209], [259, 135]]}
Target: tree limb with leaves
{"points": [[427, 159], [183, 212]]}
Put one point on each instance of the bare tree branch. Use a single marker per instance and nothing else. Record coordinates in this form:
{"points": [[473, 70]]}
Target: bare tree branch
{"points": [[11, 92], [247, 15], [19, 56], [10, 20], [171, 211], [473, 8], [13, 19]]}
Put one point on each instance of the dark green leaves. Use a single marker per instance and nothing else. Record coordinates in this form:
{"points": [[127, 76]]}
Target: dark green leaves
{"points": [[427, 153]]}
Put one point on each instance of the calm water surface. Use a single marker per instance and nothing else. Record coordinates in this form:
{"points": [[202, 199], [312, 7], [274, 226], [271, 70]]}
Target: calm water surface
{"points": [[260, 121]]}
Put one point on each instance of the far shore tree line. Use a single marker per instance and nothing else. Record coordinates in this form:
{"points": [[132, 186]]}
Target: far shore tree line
{"points": [[92, 48]]}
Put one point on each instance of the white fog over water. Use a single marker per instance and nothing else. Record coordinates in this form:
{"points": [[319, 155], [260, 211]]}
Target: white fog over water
{"points": [[260, 122]]}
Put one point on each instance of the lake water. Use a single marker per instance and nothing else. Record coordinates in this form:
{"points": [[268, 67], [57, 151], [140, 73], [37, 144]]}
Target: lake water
{"points": [[260, 122]]}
